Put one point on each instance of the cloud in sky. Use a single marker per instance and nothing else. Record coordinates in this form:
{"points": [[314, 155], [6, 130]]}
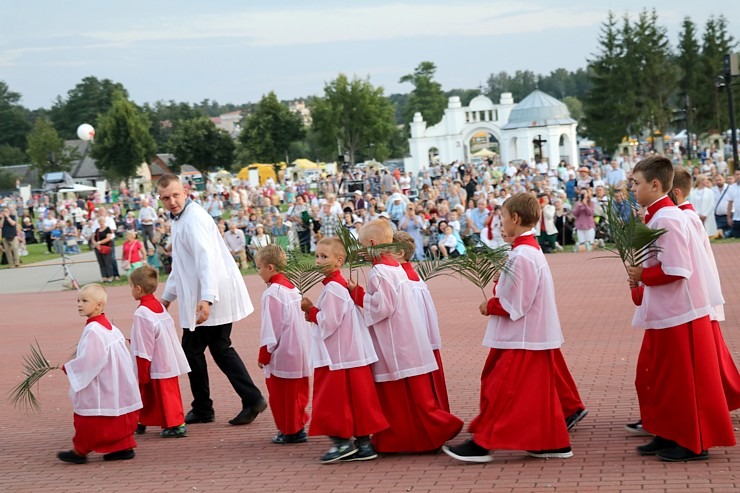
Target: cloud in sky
{"points": [[235, 51]]}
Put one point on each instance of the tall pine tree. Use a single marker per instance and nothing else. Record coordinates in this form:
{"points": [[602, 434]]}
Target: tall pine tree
{"points": [[603, 105], [691, 76], [712, 114]]}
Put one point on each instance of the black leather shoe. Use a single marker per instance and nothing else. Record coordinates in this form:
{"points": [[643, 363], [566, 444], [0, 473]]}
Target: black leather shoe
{"points": [[193, 417], [656, 445], [681, 454], [71, 457], [120, 455], [248, 414]]}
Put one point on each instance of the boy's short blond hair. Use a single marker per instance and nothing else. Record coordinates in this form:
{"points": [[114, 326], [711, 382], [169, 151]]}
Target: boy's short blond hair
{"points": [[96, 292], [526, 206], [146, 277], [272, 255], [407, 244], [335, 245], [682, 180]]}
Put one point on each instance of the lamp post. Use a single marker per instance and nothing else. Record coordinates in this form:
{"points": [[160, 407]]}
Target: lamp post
{"points": [[731, 69]]}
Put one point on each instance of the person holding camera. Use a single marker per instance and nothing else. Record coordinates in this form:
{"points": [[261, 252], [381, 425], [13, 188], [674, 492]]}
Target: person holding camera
{"points": [[300, 218], [585, 223]]}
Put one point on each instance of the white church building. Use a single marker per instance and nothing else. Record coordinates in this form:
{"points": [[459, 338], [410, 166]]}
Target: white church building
{"points": [[538, 127]]}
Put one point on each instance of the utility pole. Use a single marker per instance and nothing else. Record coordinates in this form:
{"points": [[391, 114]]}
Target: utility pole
{"points": [[730, 64], [688, 129]]}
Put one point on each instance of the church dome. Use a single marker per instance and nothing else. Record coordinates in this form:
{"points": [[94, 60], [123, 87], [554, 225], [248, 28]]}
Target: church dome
{"points": [[539, 110]]}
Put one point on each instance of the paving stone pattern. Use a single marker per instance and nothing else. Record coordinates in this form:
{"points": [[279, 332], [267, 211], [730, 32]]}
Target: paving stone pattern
{"points": [[601, 349]]}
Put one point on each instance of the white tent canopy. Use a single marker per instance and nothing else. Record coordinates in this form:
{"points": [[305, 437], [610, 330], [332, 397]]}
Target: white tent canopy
{"points": [[78, 188]]}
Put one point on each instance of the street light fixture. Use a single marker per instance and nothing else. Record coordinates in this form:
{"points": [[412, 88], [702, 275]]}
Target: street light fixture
{"points": [[731, 69]]}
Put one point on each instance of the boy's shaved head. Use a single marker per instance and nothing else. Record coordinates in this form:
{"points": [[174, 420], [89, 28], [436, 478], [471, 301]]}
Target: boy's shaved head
{"points": [[335, 245], [682, 180], [96, 292], [378, 230]]}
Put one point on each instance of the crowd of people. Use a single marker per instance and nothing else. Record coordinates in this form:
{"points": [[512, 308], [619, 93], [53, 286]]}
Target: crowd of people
{"points": [[444, 208]]}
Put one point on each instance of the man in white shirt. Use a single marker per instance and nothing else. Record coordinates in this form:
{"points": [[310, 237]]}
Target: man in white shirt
{"points": [[720, 190], [211, 296], [147, 217], [236, 243], [616, 177], [733, 213]]}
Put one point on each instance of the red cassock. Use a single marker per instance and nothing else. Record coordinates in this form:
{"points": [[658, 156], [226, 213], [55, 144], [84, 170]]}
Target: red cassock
{"points": [[527, 390], [161, 398], [679, 387], [403, 372], [345, 403], [520, 406], [727, 369], [288, 400], [417, 423], [439, 384], [105, 434], [285, 354], [678, 381]]}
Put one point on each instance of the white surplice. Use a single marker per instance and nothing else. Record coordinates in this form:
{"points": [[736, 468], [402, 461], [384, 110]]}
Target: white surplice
{"points": [[285, 332], [154, 338]]}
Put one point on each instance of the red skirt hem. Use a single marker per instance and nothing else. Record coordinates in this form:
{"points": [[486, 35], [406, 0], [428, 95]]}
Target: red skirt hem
{"points": [[105, 434], [288, 400], [520, 407], [679, 386], [439, 383], [162, 403], [727, 369], [345, 403], [417, 423]]}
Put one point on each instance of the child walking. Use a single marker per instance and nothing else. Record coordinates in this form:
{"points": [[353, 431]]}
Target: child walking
{"points": [[679, 384], [520, 404], [285, 347], [429, 314], [406, 361], [103, 387], [158, 356], [345, 403]]}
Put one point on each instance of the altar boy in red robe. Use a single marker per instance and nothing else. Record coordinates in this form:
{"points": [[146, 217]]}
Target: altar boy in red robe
{"points": [[679, 383], [403, 372], [285, 347], [520, 404], [103, 388], [429, 312], [345, 403], [159, 358]]}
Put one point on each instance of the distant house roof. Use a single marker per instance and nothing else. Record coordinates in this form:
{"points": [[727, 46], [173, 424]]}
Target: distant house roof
{"points": [[85, 167], [26, 173]]}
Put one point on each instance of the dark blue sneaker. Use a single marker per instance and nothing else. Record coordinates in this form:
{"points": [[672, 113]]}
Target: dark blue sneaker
{"points": [[338, 452]]}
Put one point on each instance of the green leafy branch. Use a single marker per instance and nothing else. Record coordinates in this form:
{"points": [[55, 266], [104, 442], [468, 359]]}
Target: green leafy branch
{"points": [[35, 367]]}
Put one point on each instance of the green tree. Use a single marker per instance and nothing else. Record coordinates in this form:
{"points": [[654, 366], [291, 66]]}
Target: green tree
{"points": [[654, 64], [498, 84], [691, 77], [575, 107], [605, 120], [10, 155], [47, 150], [14, 125], [427, 96], [465, 95], [165, 117], [84, 103], [711, 105], [199, 143], [269, 131], [352, 115], [122, 140]]}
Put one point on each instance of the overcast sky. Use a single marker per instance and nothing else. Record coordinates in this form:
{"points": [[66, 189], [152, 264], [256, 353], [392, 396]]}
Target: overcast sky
{"points": [[236, 50]]}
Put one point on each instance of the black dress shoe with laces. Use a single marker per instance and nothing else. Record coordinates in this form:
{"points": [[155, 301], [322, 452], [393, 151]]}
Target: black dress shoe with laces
{"points": [[681, 454], [71, 457]]}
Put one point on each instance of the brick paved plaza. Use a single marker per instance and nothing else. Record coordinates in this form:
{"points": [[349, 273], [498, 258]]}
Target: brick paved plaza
{"points": [[601, 349]]}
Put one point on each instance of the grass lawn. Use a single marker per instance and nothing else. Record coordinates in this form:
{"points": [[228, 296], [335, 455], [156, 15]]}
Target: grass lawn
{"points": [[36, 253]]}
